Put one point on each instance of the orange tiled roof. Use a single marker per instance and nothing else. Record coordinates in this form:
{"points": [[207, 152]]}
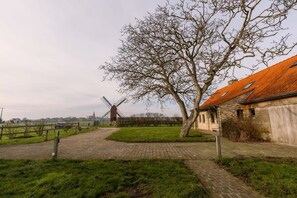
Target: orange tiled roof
{"points": [[279, 79]]}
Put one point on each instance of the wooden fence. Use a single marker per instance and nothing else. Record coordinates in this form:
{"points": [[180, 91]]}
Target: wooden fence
{"points": [[13, 131], [149, 121]]}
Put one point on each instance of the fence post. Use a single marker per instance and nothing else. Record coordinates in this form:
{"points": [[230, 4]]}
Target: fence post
{"points": [[218, 145], [26, 131], [46, 135], [56, 144], [1, 131]]}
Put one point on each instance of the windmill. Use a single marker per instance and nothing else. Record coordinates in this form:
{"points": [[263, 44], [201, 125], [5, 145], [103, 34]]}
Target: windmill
{"points": [[114, 111]]}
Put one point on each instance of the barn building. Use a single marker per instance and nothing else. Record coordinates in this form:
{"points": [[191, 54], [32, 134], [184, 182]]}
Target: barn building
{"points": [[267, 98]]}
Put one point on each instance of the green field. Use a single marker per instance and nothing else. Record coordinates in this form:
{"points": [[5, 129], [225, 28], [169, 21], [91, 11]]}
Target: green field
{"points": [[34, 138], [157, 134], [98, 178], [272, 177]]}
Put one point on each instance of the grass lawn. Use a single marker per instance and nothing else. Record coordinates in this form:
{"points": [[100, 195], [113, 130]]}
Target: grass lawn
{"points": [[273, 177], [157, 134], [35, 139], [98, 178]]}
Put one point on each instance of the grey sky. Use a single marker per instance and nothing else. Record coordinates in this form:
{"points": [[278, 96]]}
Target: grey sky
{"points": [[50, 51]]}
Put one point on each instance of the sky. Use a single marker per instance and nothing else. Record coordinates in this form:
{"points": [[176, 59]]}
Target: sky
{"points": [[50, 51]]}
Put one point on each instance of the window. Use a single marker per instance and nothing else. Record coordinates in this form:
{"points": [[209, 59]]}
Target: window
{"points": [[294, 65], [252, 112], [212, 115], [248, 85], [239, 113], [203, 118], [224, 93]]}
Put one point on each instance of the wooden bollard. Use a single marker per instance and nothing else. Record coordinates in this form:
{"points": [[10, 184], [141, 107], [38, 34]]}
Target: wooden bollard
{"points": [[46, 136], [1, 132], [56, 144], [218, 145]]}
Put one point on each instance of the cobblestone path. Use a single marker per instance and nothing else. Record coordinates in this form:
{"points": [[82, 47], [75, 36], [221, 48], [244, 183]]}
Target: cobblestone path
{"points": [[198, 156], [219, 182]]}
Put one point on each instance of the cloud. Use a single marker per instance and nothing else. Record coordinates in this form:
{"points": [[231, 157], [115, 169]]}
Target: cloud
{"points": [[50, 52]]}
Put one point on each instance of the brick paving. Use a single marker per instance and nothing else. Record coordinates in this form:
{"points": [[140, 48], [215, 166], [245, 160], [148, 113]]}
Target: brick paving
{"points": [[219, 182], [198, 156]]}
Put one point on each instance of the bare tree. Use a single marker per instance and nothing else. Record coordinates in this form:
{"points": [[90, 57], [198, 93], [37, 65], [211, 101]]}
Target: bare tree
{"points": [[180, 51]]}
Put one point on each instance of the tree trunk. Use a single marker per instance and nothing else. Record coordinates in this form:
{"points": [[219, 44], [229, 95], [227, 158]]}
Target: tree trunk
{"points": [[188, 124]]}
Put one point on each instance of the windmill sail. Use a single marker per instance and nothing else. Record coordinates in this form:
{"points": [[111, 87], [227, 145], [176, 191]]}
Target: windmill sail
{"points": [[113, 111], [106, 114], [106, 102], [119, 102], [120, 114]]}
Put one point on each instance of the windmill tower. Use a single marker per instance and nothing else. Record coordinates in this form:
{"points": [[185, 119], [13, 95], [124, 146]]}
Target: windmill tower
{"points": [[113, 109]]}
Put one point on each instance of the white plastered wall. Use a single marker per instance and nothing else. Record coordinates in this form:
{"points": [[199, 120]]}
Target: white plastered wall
{"points": [[207, 124], [283, 120]]}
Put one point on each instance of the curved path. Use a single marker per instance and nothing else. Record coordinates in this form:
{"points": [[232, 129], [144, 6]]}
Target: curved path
{"points": [[198, 156], [92, 145]]}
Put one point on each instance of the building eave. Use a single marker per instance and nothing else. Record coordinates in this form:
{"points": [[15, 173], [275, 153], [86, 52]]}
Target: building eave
{"points": [[210, 107], [275, 97]]}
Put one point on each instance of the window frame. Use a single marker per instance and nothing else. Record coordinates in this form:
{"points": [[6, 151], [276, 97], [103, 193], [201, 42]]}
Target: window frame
{"points": [[213, 116], [239, 113], [252, 112], [293, 65], [225, 93], [248, 85]]}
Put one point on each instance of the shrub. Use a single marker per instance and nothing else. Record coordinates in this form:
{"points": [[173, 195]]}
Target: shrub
{"points": [[242, 130]]}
